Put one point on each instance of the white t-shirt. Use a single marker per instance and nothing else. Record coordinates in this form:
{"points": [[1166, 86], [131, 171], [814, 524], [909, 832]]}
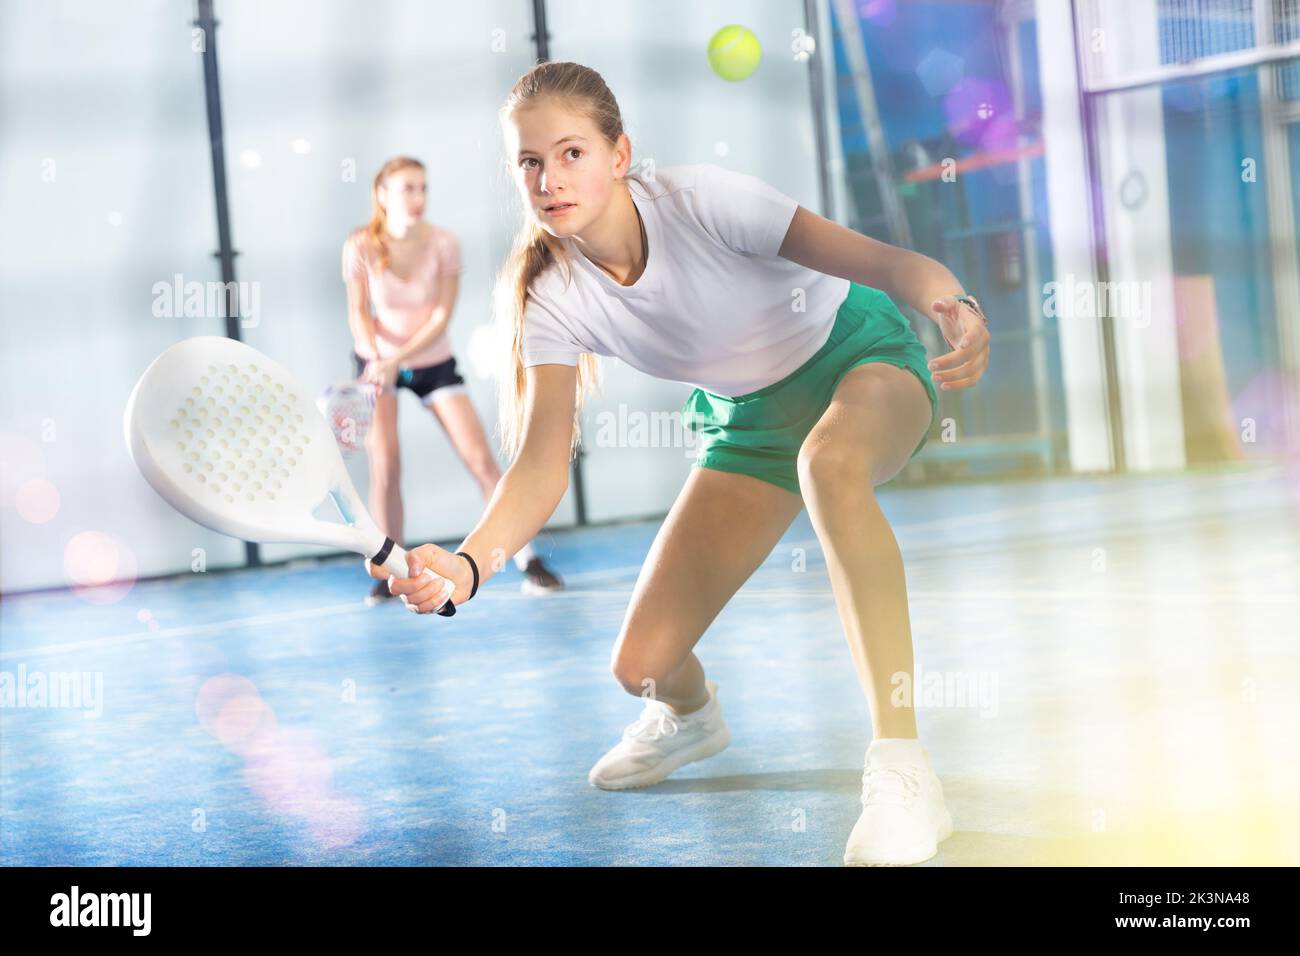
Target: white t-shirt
{"points": [[715, 306]]}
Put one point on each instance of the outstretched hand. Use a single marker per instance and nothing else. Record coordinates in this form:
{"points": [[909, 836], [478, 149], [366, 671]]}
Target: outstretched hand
{"points": [[433, 575], [966, 332]]}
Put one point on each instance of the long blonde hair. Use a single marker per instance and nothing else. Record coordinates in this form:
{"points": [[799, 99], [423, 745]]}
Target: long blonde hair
{"points": [[377, 229], [581, 89]]}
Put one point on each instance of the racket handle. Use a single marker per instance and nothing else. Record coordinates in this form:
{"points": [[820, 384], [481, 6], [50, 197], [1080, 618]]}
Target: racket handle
{"points": [[395, 563]]}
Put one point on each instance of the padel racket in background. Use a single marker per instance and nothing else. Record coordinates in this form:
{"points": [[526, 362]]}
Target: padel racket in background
{"points": [[225, 435], [348, 408]]}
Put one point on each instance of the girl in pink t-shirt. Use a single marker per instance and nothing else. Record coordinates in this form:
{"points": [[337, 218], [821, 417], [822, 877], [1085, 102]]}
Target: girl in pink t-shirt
{"points": [[402, 277]]}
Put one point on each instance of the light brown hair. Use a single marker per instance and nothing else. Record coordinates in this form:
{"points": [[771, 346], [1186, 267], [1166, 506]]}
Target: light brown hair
{"points": [[582, 90], [377, 229]]}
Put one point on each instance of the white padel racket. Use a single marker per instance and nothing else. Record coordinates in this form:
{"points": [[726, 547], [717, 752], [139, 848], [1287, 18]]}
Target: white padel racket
{"points": [[348, 408], [227, 438]]}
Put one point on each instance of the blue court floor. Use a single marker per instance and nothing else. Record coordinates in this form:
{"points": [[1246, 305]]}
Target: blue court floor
{"points": [[1110, 669]]}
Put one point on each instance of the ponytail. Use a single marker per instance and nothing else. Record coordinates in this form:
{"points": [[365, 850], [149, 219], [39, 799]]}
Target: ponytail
{"points": [[581, 89], [377, 229]]}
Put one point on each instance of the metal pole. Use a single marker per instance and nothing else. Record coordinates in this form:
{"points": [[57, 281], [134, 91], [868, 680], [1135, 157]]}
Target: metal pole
{"points": [[1094, 185], [541, 39], [207, 22], [1015, 15], [900, 234], [812, 26], [1282, 230]]}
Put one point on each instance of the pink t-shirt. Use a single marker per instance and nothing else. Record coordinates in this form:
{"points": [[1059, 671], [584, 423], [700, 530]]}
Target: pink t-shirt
{"points": [[401, 306]]}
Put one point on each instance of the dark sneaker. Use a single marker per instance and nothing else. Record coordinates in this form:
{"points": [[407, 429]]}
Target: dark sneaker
{"points": [[539, 579], [379, 594]]}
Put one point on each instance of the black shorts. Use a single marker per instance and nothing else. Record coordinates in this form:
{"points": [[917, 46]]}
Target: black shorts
{"points": [[429, 383]]}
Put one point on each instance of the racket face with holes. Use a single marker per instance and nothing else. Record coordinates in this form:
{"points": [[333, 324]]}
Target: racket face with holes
{"points": [[225, 435]]}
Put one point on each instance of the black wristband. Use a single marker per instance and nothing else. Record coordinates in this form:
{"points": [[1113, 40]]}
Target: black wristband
{"points": [[448, 609], [473, 567]]}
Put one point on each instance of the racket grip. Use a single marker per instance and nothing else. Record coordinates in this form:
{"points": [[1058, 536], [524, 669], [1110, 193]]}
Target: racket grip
{"points": [[395, 563]]}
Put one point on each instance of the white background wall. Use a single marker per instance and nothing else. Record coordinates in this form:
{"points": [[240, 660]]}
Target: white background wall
{"points": [[101, 122], [113, 96]]}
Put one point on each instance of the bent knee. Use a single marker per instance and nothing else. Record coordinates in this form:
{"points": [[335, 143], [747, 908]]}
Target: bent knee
{"points": [[825, 464], [638, 673]]}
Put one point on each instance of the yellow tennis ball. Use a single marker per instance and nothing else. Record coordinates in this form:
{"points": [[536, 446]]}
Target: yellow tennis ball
{"points": [[734, 52]]}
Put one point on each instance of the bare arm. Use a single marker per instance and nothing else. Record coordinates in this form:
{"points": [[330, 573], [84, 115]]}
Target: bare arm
{"points": [[359, 318], [525, 497], [925, 285], [437, 322], [531, 489], [836, 250]]}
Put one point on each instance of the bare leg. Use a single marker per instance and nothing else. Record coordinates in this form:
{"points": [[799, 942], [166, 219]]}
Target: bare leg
{"points": [[877, 417], [465, 431], [720, 529], [385, 467]]}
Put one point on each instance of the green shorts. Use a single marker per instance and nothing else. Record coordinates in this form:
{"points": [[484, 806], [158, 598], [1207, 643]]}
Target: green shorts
{"points": [[760, 434]]}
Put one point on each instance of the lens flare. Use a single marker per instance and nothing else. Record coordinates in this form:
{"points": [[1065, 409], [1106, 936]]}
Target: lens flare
{"points": [[21, 461], [37, 500], [977, 109], [335, 822], [230, 708], [100, 568], [290, 771], [879, 12]]}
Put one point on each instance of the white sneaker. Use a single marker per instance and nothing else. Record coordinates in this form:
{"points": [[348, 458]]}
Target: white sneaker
{"points": [[903, 814], [659, 742]]}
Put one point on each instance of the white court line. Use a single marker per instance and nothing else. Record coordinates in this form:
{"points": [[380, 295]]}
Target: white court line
{"points": [[1225, 595], [602, 574], [167, 632], [1222, 596], [633, 570], [782, 594], [939, 524], [1022, 511], [256, 620], [1191, 597]]}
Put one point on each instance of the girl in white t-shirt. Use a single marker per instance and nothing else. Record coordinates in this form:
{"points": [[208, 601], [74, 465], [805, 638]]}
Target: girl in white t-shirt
{"points": [[811, 389]]}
